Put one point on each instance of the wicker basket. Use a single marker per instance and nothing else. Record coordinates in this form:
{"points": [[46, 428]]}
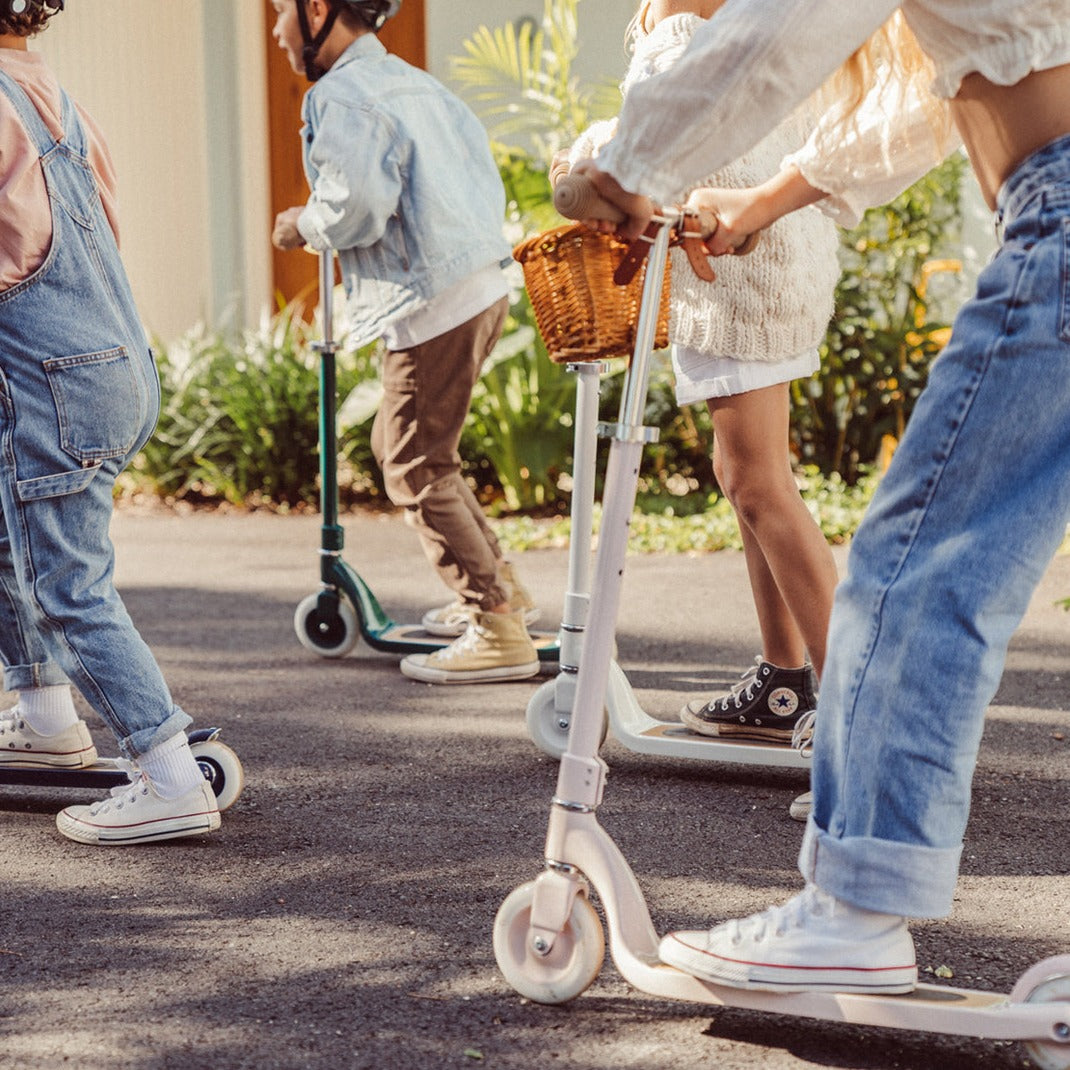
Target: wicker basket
{"points": [[581, 312]]}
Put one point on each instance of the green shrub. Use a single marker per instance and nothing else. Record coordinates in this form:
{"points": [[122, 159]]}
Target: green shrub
{"points": [[883, 337], [239, 415]]}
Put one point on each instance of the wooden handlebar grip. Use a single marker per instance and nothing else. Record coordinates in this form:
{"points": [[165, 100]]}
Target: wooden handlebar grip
{"points": [[576, 198]]}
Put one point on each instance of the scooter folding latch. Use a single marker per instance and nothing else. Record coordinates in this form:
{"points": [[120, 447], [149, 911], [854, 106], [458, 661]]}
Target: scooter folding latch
{"points": [[561, 867], [623, 433], [580, 782]]}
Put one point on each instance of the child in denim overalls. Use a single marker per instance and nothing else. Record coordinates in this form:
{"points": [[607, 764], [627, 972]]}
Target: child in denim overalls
{"points": [[78, 398], [403, 185]]}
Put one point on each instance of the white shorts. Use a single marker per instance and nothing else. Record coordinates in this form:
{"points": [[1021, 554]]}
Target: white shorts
{"points": [[700, 376]]}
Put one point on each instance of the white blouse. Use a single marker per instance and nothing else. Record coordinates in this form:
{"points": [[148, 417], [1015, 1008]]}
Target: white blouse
{"points": [[755, 60]]}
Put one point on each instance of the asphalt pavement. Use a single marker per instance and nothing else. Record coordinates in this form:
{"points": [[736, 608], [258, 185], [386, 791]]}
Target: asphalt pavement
{"points": [[342, 916]]}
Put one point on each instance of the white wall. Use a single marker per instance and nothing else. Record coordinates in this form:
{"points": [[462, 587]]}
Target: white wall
{"points": [[181, 124]]}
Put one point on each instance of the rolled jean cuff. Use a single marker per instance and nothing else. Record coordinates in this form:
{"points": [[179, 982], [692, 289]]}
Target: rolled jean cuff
{"points": [[28, 677], [135, 744], [905, 879]]}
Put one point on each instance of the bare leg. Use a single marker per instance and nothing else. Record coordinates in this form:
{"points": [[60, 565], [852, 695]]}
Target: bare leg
{"points": [[791, 568]]}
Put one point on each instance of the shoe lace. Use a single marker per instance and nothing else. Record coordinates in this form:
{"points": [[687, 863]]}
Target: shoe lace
{"points": [[802, 736], [123, 794], [9, 720], [811, 902], [744, 689], [464, 643]]}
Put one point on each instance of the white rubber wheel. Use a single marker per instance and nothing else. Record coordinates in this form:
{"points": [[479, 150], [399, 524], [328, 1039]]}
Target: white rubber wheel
{"points": [[1047, 982], [548, 726], [222, 769], [328, 638], [571, 966]]}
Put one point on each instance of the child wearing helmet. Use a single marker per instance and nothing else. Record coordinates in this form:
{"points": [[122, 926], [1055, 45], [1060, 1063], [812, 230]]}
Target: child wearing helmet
{"points": [[79, 398], [403, 185]]}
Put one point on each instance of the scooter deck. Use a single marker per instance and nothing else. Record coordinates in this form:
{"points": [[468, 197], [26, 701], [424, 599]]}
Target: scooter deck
{"points": [[665, 736], [412, 639], [929, 1008], [102, 774], [640, 732]]}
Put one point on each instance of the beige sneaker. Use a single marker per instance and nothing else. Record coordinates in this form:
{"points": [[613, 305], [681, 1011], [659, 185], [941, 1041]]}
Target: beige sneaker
{"points": [[495, 646], [519, 595], [453, 619], [22, 747]]}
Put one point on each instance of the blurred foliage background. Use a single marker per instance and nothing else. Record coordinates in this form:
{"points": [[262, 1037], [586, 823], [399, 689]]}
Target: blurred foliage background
{"points": [[240, 413]]}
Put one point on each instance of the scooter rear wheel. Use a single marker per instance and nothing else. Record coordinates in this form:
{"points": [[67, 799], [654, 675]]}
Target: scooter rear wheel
{"points": [[222, 769], [548, 726], [572, 963], [1047, 982], [330, 637]]}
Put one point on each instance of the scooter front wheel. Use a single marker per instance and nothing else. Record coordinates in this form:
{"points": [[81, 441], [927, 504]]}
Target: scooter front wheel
{"points": [[1047, 982], [221, 768], [330, 635], [572, 963], [547, 725]]}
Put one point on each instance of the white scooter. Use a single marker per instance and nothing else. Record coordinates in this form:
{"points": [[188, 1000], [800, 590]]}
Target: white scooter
{"points": [[548, 939], [549, 711]]}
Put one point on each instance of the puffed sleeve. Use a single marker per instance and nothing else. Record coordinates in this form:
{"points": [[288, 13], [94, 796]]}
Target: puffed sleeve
{"points": [[745, 70], [888, 146]]}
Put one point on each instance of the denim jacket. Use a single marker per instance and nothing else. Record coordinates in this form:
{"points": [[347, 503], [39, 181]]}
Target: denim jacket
{"points": [[402, 184]]}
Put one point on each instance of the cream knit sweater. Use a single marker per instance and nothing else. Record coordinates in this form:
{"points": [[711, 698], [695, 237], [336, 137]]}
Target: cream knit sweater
{"points": [[772, 304]]}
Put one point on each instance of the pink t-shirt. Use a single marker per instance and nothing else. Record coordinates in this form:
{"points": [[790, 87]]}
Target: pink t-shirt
{"points": [[26, 232]]}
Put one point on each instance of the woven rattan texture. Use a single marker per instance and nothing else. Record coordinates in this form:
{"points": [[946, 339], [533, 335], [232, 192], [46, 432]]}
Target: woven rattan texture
{"points": [[582, 314]]}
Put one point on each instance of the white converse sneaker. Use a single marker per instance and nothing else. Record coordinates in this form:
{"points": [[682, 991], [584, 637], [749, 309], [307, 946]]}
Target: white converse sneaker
{"points": [[448, 620], [802, 740], [453, 619], [134, 813], [22, 747], [801, 806], [813, 943]]}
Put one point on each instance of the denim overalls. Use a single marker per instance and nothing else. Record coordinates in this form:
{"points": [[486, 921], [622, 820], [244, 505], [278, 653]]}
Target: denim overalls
{"points": [[79, 397], [959, 533]]}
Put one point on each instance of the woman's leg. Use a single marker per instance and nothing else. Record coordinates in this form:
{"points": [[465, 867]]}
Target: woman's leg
{"points": [[791, 568]]}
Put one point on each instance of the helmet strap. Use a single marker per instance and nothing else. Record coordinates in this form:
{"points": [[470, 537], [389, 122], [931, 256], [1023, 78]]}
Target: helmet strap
{"points": [[313, 71]]}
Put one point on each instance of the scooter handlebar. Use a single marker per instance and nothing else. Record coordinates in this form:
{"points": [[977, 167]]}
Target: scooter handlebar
{"points": [[576, 198]]}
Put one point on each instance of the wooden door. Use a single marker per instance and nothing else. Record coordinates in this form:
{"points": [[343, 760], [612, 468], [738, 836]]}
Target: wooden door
{"points": [[295, 274]]}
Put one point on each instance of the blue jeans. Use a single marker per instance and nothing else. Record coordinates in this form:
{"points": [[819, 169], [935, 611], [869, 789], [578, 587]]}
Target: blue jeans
{"points": [[78, 398], [963, 526]]}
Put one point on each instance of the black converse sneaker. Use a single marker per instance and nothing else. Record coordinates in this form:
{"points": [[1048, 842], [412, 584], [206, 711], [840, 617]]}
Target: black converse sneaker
{"points": [[765, 705]]}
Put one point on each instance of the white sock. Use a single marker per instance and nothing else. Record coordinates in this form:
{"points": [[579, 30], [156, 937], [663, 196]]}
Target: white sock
{"points": [[171, 768], [48, 710]]}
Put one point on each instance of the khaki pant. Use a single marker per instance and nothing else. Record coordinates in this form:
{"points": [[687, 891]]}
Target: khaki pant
{"points": [[415, 438]]}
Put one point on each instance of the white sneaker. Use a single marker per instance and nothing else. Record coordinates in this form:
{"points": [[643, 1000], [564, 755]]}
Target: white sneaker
{"points": [[802, 740], [134, 813], [453, 619], [813, 943], [22, 747], [801, 806]]}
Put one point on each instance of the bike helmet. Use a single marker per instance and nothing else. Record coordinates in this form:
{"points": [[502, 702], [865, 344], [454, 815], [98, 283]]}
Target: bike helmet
{"points": [[373, 12], [18, 7]]}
